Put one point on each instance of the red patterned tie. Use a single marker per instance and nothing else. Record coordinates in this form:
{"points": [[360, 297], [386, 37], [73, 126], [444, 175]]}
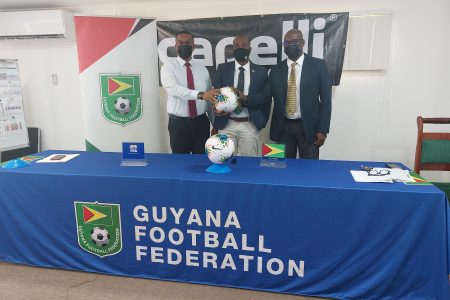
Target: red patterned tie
{"points": [[190, 85]]}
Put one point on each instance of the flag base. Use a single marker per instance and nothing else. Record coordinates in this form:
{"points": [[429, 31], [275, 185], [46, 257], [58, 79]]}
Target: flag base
{"points": [[216, 168], [273, 162]]}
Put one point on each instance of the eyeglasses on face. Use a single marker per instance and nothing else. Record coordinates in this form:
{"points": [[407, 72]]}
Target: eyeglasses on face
{"points": [[182, 43], [295, 42]]}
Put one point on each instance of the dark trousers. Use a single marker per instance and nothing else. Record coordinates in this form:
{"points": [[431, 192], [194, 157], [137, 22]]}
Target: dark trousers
{"points": [[187, 135], [294, 138]]}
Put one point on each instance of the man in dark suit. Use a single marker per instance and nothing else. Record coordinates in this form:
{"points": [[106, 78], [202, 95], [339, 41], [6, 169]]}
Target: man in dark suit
{"points": [[301, 90], [252, 113]]}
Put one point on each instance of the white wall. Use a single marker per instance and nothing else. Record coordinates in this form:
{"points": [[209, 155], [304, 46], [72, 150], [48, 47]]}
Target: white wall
{"points": [[54, 109], [374, 112]]}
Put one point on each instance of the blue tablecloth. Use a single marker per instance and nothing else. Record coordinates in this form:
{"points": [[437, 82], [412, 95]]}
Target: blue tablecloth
{"points": [[308, 229]]}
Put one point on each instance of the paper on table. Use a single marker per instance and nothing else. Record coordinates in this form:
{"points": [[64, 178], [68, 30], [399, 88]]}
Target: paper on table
{"points": [[395, 175], [400, 175], [66, 158], [363, 176]]}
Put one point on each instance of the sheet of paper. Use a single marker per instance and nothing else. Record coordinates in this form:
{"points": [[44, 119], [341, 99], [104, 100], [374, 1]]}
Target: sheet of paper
{"points": [[363, 176], [66, 158], [395, 175], [400, 175]]}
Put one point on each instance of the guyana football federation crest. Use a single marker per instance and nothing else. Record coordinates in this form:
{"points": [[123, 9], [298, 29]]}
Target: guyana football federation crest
{"points": [[98, 227], [121, 98]]}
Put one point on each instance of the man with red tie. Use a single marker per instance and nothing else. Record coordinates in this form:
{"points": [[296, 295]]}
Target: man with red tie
{"points": [[189, 94]]}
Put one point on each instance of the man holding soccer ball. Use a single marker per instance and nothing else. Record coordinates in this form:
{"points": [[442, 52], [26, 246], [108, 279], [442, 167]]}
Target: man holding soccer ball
{"points": [[249, 81], [189, 96]]}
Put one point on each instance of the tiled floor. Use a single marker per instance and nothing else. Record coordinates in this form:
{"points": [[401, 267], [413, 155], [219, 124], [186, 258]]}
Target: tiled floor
{"points": [[23, 282]]}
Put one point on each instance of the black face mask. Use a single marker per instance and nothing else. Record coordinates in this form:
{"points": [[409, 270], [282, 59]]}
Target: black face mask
{"points": [[241, 54], [185, 51], [293, 51]]}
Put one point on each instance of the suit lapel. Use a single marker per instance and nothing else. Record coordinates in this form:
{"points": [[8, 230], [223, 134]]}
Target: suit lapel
{"points": [[305, 71], [284, 74], [229, 79], [252, 78]]}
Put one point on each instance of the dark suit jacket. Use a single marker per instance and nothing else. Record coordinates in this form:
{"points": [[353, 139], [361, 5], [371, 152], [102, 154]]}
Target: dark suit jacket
{"points": [[258, 98], [315, 97]]}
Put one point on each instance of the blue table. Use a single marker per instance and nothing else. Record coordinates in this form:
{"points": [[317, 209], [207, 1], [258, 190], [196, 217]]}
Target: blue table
{"points": [[308, 229]]}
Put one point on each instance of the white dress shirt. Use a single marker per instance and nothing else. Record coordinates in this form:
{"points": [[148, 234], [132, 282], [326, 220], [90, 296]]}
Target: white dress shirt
{"points": [[174, 81], [244, 112], [299, 61]]}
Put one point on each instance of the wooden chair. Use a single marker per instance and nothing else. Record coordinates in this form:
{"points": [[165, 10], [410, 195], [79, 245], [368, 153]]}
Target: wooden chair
{"points": [[433, 150]]}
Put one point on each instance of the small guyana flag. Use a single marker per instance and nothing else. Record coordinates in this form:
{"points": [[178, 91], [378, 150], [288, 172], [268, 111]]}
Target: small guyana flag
{"points": [[418, 180], [273, 150]]}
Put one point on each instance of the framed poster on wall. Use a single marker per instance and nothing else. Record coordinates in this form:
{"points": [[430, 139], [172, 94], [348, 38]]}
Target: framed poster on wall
{"points": [[13, 129]]}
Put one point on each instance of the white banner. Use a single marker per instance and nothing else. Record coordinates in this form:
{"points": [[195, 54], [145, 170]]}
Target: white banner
{"points": [[119, 82]]}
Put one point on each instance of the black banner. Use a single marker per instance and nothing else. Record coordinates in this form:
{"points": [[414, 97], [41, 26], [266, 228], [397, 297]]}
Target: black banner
{"points": [[325, 37]]}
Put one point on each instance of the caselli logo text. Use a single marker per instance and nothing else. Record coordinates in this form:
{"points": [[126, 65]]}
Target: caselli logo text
{"points": [[264, 47]]}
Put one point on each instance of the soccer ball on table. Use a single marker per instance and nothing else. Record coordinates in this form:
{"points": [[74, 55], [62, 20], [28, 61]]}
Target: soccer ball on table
{"points": [[219, 148]]}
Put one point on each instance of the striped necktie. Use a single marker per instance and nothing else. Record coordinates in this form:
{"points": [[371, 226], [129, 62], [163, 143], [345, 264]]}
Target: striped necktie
{"points": [[291, 99]]}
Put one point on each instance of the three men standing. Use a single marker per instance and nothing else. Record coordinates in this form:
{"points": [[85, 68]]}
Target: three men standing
{"points": [[300, 87]]}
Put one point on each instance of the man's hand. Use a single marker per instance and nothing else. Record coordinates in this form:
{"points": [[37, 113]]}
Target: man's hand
{"points": [[210, 95], [220, 112], [214, 131], [241, 97], [320, 139]]}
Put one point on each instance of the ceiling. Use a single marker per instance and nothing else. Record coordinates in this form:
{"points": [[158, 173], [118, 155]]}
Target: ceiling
{"points": [[40, 4]]}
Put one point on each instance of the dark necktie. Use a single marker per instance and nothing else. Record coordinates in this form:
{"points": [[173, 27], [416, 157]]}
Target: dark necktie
{"points": [[240, 86], [190, 85]]}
